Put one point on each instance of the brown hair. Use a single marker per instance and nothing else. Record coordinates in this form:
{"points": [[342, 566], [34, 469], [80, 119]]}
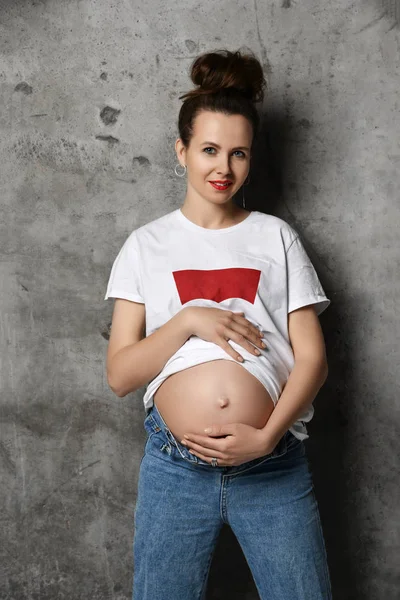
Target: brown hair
{"points": [[228, 82]]}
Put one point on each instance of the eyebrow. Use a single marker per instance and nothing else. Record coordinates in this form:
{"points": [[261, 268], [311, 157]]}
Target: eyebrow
{"points": [[219, 147]]}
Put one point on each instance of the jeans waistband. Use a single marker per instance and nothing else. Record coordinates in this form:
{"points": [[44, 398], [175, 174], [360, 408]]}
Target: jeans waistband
{"points": [[157, 416], [154, 423]]}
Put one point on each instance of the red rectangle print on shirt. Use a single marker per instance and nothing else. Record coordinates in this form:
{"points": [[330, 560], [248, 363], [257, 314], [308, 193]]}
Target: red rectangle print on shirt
{"points": [[217, 284]]}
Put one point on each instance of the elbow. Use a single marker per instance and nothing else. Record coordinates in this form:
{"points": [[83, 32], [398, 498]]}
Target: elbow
{"points": [[118, 390], [115, 390], [113, 382], [118, 393], [114, 387], [322, 366]]}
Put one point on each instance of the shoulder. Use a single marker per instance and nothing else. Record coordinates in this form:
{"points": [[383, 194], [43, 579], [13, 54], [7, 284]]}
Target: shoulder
{"points": [[276, 226], [156, 229]]}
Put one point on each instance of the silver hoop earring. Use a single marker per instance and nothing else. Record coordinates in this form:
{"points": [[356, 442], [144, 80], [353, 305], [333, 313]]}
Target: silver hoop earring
{"points": [[180, 174]]}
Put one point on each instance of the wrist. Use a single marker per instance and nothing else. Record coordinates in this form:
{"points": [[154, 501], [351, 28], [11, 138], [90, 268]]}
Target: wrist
{"points": [[183, 316], [268, 443]]}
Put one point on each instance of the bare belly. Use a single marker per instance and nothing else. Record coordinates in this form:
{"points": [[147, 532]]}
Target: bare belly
{"points": [[215, 392]]}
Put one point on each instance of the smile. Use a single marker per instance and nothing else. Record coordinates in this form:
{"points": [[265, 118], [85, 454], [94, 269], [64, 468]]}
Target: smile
{"points": [[220, 186]]}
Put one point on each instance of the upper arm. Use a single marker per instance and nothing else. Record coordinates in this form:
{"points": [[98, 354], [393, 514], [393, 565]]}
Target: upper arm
{"points": [[128, 326], [306, 335]]}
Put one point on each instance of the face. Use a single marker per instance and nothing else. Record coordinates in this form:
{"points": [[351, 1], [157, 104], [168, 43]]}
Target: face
{"points": [[220, 149]]}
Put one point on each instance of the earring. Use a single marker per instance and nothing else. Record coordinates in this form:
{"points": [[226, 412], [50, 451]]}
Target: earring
{"points": [[180, 174], [244, 201]]}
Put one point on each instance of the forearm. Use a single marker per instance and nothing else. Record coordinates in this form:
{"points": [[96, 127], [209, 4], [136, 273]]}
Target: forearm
{"points": [[135, 365], [302, 386]]}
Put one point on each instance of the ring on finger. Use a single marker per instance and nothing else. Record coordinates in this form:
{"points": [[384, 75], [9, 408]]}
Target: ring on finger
{"points": [[205, 458]]}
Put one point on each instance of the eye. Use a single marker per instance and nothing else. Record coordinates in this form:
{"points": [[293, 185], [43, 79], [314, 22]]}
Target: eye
{"points": [[210, 148]]}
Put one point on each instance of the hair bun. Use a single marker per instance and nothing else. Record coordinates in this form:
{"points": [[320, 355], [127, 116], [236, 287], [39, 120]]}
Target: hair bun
{"points": [[215, 71]]}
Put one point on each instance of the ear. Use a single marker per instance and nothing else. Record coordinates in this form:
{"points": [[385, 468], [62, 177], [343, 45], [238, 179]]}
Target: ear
{"points": [[180, 151]]}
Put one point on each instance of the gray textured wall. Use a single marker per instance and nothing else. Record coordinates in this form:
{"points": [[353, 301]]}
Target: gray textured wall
{"points": [[89, 104]]}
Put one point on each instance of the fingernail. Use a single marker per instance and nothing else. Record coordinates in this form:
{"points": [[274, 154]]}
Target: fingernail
{"points": [[183, 442], [208, 430]]}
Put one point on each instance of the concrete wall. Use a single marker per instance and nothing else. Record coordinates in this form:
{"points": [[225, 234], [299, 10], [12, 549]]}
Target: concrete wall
{"points": [[88, 111]]}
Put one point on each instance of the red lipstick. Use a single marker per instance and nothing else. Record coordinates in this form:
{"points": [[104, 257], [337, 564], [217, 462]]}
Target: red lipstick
{"points": [[221, 184]]}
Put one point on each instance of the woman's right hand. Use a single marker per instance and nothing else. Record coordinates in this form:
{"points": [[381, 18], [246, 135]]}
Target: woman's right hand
{"points": [[218, 326]]}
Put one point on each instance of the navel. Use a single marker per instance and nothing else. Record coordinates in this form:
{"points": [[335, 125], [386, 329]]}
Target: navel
{"points": [[223, 401]]}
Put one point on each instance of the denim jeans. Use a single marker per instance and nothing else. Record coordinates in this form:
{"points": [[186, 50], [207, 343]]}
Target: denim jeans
{"points": [[269, 503]]}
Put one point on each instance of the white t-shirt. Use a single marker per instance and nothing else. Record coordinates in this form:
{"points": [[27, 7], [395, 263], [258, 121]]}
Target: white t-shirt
{"points": [[258, 266]]}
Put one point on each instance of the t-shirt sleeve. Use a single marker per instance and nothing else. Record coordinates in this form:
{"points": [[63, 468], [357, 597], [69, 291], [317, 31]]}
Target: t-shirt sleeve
{"points": [[304, 286], [125, 277]]}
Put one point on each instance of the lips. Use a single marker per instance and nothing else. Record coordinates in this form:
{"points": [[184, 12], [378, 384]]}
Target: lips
{"points": [[223, 185]]}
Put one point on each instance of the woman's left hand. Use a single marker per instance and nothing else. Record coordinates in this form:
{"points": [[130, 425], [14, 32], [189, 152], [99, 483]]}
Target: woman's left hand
{"points": [[243, 443]]}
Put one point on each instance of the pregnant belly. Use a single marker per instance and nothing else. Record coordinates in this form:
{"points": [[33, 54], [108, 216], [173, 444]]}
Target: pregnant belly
{"points": [[214, 392]]}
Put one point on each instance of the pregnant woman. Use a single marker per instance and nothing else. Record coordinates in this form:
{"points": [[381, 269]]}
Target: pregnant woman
{"points": [[216, 313]]}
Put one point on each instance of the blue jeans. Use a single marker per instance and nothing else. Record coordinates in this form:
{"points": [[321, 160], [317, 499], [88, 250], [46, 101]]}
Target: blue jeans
{"points": [[269, 503]]}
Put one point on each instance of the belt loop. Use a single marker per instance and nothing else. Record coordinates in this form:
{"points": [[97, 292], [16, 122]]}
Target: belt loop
{"points": [[171, 438], [174, 441]]}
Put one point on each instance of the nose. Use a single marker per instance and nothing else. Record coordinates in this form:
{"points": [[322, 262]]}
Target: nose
{"points": [[224, 167]]}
